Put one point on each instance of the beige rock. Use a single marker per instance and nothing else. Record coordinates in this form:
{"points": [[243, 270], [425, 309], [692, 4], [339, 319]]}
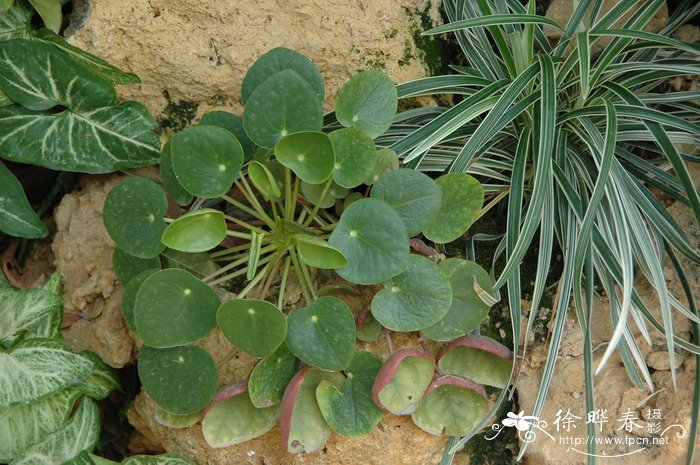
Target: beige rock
{"points": [[687, 33], [561, 10], [200, 50], [660, 361]]}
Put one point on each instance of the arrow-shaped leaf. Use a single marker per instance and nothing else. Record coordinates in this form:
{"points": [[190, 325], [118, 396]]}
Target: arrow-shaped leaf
{"points": [[16, 215]]}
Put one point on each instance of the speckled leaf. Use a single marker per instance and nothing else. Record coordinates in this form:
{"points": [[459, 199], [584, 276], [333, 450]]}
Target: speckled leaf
{"points": [[279, 59], [467, 310], [309, 154], [133, 215], [182, 380], [452, 406], [401, 382], [126, 267], [178, 193], [354, 156], [255, 326], [175, 421], [163, 459], [14, 22], [283, 104], [352, 412], [367, 102], [129, 296], [206, 160], [385, 161], [323, 334], [173, 307], [317, 253], [234, 125], [197, 231], [415, 299], [372, 237], [17, 218], [462, 199], [103, 379], [414, 196], [301, 422], [271, 376], [478, 358]]}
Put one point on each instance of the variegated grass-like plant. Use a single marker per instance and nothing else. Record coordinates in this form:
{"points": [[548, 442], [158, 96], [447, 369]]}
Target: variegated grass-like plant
{"points": [[574, 143]]}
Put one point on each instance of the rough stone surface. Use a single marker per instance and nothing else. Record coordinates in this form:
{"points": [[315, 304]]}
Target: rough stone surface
{"points": [[92, 297], [561, 10], [199, 51]]}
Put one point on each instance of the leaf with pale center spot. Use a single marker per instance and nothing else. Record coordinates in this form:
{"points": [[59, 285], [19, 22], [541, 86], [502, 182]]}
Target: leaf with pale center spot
{"points": [[133, 215], [173, 307], [181, 380], [197, 231], [317, 253], [354, 156], [385, 161], [309, 154], [255, 326], [271, 376], [367, 102], [323, 334], [462, 199], [234, 125]]}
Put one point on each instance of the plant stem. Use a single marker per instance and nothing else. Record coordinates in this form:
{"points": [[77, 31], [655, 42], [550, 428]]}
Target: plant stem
{"points": [[237, 273], [252, 200], [245, 225], [300, 277], [492, 203], [254, 282], [271, 277], [246, 209], [283, 283], [239, 235], [389, 344], [307, 276], [288, 209], [197, 204], [326, 188], [295, 197]]}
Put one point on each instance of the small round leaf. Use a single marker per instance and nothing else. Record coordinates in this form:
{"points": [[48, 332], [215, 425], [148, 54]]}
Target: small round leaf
{"points": [[283, 104], [182, 380], [196, 231], [316, 252], [414, 299], [170, 182], [175, 421], [126, 266], [234, 125], [401, 382], [129, 296], [206, 160], [323, 334], [414, 196], [309, 154], [255, 326], [133, 215], [271, 376], [367, 102], [478, 358], [354, 156], [462, 199], [174, 308], [313, 193], [372, 237], [385, 161]]}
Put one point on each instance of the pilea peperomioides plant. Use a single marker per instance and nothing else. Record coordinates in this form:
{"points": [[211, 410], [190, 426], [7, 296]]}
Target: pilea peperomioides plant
{"points": [[276, 196]]}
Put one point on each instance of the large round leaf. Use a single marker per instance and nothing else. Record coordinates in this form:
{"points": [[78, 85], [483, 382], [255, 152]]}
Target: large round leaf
{"points": [[130, 292], [462, 199], [174, 308], [170, 182], [283, 104], [452, 406], [182, 380], [316, 252], [255, 326], [133, 215], [401, 382], [234, 125], [323, 334], [354, 156], [126, 266], [352, 412], [478, 358], [206, 160], [309, 154], [414, 299], [271, 376], [280, 59], [467, 310], [196, 231], [235, 420], [371, 235], [414, 196], [367, 102]]}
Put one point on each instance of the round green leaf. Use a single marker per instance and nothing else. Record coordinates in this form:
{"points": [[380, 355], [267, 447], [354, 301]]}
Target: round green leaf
{"points": [[280, 59], [352, 412], [283, 104], [271, 376], [462, 199], [323, 334], [175, 421], [235, 420], [415, 299], [129, 296], [372, 237], [414, 196], [316, 252], [196, 231], [354, 156], [126, 266], [400, 384], [133, 215], [367, 102], [170, 182], [174, 308], [206, 160], [370, 330], [313, 192], [263, 179], [182, 380], [467, 310], [385, 161], [452, 406], [254, 326], [309, 154], [234, 125], [478, 358]]}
